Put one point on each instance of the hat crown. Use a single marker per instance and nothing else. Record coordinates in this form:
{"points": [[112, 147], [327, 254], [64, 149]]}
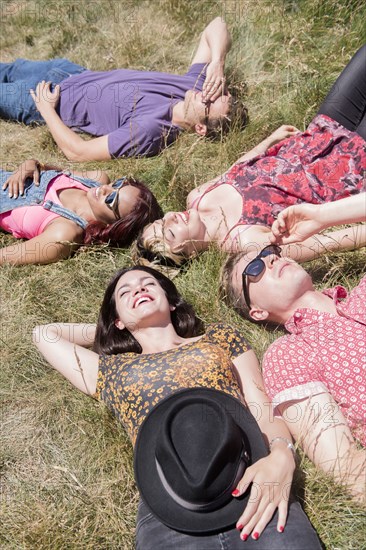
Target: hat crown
{"points": [[200, 453]]}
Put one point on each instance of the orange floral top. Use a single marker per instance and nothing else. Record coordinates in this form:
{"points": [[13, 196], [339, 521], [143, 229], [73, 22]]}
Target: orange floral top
{"points": [[131, 384]]}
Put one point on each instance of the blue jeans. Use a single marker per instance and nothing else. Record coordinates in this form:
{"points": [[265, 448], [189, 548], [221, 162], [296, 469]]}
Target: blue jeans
{"points": [[17, 78], [151, 534]]}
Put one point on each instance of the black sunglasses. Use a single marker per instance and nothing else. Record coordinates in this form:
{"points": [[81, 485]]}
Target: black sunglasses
{"points": [[256, 267], [112, 200]]}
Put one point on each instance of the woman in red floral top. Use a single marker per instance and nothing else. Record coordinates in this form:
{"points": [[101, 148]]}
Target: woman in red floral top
{"points": [[236, 210]]}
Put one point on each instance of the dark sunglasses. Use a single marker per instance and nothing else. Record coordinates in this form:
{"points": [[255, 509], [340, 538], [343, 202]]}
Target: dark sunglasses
{"points": [[112, 200], [256, 267]]}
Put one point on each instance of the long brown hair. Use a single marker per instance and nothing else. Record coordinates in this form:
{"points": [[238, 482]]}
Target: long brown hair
{"points": [[111, 340]]}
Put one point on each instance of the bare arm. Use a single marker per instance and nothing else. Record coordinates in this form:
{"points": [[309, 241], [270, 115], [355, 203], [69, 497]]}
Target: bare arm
{"points": [[301, 221], [271, 476], [214, 45], [56, 242], [322, 431], [73, 146], [340, 240], [64, 346], [278, 135]]}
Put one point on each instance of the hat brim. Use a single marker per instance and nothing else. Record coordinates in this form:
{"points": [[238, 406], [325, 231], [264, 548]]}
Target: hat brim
{"points": [[151, 489]]}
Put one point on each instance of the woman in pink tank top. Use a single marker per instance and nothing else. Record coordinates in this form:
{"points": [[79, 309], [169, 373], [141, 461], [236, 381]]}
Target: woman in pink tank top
{"points": [[58, 211]]}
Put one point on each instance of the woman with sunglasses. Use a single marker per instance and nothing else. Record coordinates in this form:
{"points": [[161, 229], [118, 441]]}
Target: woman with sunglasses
{"points": [[236, 210], [57, 211]]}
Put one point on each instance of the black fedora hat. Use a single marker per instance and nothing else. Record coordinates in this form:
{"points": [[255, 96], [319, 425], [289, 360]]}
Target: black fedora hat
{"points": [[190, 453]]}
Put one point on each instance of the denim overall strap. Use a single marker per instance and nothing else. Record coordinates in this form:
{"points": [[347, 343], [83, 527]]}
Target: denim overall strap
{"points": [[64, 212], [34, 195], [85, 181]]}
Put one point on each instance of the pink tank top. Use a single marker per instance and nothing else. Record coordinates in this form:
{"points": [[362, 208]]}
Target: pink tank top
{"points": [[27, 222]]}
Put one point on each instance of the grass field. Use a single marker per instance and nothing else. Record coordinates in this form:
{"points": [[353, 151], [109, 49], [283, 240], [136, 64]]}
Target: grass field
{"points": [[66, 478]]}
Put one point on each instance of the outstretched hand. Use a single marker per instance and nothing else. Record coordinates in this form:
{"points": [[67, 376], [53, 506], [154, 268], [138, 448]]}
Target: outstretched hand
{"points": [[44, 98], [214, 84], [271, 479], [283, 132], [296, 223], [15, 183]]}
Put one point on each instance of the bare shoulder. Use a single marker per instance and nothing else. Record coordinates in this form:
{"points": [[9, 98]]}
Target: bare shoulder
{"points": [[196, 193], [62, 229]]}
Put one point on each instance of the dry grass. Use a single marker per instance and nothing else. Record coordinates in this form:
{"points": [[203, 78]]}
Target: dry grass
{"points": [[66, 474]]}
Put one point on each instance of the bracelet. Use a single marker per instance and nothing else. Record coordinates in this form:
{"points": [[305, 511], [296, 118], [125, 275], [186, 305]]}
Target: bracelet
{"points": [[288, 443]]}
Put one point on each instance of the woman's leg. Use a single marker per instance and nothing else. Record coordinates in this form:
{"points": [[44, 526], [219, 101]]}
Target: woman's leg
{"points": [[346, 101], [298, 535]]}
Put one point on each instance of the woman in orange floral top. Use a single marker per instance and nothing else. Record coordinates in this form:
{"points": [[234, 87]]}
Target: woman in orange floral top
{"points": [[148, 344]]}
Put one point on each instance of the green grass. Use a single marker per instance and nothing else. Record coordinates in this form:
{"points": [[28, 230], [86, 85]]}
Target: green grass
{"points": [[66, 478]]}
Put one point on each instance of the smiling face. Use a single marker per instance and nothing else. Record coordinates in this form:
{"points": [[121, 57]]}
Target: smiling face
{"points": [[274, 292], [140, 302], [181, 232], [127, 199], [194, 108]]}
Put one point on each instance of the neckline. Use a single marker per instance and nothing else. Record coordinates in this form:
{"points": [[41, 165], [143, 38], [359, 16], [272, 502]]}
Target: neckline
{"points": [[174, 349]]}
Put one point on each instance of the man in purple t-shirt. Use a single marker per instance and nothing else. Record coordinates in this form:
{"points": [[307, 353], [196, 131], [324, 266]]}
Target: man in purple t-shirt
{"points": [[132, 113]]}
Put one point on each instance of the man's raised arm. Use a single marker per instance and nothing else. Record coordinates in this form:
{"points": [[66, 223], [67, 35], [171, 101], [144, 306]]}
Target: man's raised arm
{"points": [[214, 45]]}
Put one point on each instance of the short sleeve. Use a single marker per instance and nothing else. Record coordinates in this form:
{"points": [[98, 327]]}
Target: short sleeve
{"points": [[289, 372], [197, 70], [228, 338], [137, 139]]}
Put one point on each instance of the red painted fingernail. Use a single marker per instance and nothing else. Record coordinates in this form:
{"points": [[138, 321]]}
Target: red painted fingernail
{"points": [[240, 527], [281, 529], [235, 493], [244, 537], [255, 535]]}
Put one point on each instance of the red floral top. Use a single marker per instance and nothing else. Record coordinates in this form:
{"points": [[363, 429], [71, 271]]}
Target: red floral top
{"points": [[322, 164]]}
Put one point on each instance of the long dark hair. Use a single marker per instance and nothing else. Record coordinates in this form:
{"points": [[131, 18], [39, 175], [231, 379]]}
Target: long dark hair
{"points": [[111, 340], [122, 232]]}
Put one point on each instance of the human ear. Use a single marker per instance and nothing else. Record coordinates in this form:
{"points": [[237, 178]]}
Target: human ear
{"points": [[200, 129], [258, 314], [119, 324]]}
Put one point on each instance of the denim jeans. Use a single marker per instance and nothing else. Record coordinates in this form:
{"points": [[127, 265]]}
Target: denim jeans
{"points": [[17, 78], [299, 534]]}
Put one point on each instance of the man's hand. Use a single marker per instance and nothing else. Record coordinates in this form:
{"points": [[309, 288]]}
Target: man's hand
{"points": [[214, 84], [44, 98], [15, 184]]}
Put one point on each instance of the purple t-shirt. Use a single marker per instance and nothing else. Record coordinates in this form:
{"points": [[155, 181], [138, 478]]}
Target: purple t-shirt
{"points": [[134, 108]]}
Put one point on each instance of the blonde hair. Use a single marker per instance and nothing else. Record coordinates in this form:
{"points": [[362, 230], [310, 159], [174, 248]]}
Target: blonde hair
{"points": [[156, 253]]}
